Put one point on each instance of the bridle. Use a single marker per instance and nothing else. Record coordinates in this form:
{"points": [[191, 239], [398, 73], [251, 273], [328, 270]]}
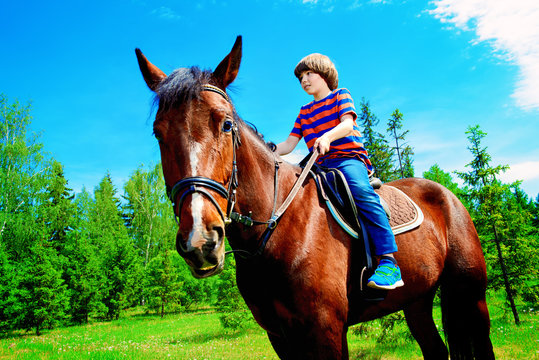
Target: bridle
{"points": [[201, 185]]}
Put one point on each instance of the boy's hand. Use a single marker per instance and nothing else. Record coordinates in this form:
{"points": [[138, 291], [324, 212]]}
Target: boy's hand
{"points": [[322, 144]]}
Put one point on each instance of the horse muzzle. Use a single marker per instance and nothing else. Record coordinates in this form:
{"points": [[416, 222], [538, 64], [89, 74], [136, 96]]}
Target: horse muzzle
{"points": [[203, 250]]}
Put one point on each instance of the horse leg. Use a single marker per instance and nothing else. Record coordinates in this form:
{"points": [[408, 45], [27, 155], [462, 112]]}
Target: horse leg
{"points": [[345, 355], [419, 319], [310, 343], [280, 346]]}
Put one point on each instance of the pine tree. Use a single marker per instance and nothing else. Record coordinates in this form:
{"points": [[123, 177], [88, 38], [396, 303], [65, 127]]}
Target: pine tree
{"points": [[435, 173], [56, 207], [41, 295], [377, 146], [486, 196], [6, 285], [163, 289], [83, 272], [121, 274], [404, 151]]}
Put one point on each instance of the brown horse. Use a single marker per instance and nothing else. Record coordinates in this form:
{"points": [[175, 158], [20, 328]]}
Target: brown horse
{"points": [[303, 287]]}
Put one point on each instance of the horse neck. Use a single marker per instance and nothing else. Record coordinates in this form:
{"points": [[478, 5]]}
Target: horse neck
{"points": [[256, 180]]}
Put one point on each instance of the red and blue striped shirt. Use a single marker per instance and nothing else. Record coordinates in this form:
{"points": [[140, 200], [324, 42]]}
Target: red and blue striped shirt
{"points": [[318, 117]]}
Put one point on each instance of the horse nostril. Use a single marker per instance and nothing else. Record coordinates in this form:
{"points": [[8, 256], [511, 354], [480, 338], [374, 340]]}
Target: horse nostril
{"points": [[220, 231], [180, 245]]}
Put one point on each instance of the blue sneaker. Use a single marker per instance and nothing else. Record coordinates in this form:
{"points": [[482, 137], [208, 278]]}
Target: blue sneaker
{"points": [[387, 275]]}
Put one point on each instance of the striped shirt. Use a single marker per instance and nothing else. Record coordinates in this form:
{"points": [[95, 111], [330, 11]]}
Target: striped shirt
{"points": [[318, 117]]}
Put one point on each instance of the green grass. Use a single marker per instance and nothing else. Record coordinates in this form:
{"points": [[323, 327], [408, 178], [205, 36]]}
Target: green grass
{"points": [[200, 335]]}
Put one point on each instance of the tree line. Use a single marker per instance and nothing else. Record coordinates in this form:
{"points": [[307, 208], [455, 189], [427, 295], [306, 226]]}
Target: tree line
{"points": [[70, 258]]}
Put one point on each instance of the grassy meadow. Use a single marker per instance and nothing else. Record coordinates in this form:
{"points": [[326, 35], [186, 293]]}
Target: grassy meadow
{"points": [[200, 335]]}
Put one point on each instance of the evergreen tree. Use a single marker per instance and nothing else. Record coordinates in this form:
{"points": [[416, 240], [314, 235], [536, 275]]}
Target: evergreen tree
{"points": [[6, 284], [41, 298], [57, 208], [408, 162], [121, 274], [435, 173], [377, 146], [163, 289], [404, 151], [486, 195], [83, 272]]}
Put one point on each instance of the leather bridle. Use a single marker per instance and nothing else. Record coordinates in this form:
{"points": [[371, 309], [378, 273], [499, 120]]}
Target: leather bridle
{"points": [[200, 184]]}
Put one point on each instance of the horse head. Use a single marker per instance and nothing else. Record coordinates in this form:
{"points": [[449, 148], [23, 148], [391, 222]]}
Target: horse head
{"points": [[196, 128]]}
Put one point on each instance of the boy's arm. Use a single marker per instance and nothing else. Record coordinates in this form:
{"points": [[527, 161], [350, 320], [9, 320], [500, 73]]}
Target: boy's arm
{"points": [[343, 129], [287, 146]]}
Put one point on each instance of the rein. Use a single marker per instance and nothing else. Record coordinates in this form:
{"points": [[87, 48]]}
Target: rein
{"points": [[200, 184]]}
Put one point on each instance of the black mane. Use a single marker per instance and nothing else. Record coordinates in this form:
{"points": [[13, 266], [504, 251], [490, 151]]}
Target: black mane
{"points": [[184, 84]]}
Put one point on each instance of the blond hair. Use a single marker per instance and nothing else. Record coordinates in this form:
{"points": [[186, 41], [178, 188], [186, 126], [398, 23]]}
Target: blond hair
{"points": [[320, 64]]}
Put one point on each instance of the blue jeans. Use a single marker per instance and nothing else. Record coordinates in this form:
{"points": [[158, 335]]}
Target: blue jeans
{"points": [[368, 203]]}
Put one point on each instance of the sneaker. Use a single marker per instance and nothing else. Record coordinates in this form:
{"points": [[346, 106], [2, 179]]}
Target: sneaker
{"points": [[387, 275]]}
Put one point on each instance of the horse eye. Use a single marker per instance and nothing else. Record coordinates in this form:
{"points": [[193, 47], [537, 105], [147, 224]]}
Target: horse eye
{"points": [[227, 126], [158, 137]]}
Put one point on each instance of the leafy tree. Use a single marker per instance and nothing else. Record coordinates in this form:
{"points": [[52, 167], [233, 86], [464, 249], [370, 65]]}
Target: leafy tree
{"points": [[234, 312], [377, 146], [194, 291], [535, 212], [22, 168], [149, 216]]}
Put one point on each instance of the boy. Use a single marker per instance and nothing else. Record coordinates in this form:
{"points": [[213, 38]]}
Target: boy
{"points": [[328, 124]]}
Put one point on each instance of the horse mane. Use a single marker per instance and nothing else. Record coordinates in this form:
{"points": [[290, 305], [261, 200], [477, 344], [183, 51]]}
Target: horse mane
{"points": [[182, 85], [185, 84]]}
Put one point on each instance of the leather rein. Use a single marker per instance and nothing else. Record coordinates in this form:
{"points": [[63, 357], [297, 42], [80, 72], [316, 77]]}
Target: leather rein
{"points": [[201, 185]]}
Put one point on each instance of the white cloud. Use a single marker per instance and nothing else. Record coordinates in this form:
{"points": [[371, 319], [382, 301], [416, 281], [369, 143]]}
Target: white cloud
{"points": [[512, 29], [166, 13], [525, 171]]}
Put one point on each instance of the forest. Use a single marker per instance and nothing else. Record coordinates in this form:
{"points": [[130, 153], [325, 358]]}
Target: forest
{"points": [[71, 258]]}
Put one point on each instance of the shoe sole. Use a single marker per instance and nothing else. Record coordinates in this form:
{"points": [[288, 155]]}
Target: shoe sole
{"points": [[374, 285]]}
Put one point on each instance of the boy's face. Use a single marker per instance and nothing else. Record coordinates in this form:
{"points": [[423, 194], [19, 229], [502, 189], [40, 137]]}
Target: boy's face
{"points": [[314, 84]]}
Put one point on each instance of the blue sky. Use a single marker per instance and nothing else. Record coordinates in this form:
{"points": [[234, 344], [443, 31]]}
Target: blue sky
{"points": [[445, 64]]}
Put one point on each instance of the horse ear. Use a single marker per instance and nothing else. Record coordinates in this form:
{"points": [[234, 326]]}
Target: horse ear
{"points": [[227, 70], [152, 75]]}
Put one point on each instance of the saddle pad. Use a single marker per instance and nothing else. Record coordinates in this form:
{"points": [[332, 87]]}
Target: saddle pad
{"points": [[405, 214]]}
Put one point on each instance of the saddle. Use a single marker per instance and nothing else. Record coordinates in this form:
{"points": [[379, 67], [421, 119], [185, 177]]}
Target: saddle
{"points": [[403, 214], [333, 188]]}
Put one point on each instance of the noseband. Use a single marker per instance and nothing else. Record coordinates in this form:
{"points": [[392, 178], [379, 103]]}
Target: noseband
{"points": [[199, 184]]}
